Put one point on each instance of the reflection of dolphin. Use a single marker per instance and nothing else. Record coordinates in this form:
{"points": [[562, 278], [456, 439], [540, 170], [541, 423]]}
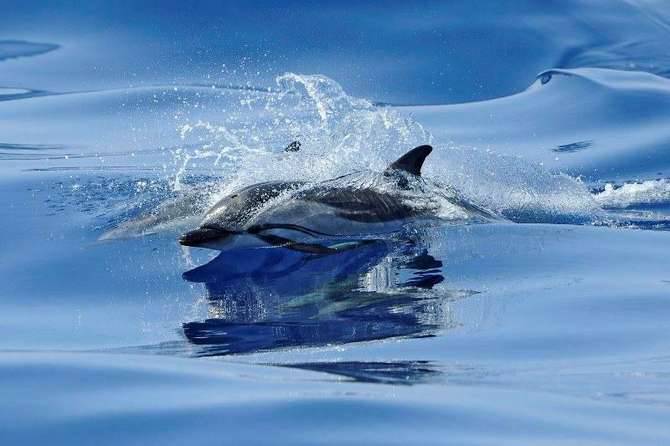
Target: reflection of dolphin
{"points": [[404, 373], [281, 272], [315, 218], [268, 298]]}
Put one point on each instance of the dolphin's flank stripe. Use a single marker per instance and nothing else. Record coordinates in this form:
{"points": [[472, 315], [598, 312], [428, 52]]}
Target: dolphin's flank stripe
{"points": [[311, 248], [266, 227]]}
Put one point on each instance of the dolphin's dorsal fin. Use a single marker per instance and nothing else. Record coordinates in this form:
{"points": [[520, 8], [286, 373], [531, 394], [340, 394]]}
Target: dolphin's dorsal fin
{"points": [[412, 161]]}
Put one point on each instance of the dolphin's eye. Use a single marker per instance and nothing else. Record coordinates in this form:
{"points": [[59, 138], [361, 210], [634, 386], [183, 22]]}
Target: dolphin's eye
{"points": [[233, 196], [546, 77]]}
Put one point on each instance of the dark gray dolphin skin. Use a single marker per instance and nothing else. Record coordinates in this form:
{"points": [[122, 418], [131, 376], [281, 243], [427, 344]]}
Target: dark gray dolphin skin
{"points": [[309, 216]]}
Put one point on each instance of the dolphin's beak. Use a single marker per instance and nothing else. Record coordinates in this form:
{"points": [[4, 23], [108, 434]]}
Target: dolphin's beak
{"points": [[203, 237]]}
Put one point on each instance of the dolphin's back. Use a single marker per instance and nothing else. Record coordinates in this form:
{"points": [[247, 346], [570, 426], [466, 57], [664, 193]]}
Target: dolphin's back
{"points": [[363, 205]]}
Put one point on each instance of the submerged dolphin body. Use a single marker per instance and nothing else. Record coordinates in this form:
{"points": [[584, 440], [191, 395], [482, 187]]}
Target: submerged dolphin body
{"points": [[322, 218]]}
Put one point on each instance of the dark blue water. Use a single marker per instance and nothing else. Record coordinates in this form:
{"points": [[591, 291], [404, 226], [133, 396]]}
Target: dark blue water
{"points": [[120, 124]]}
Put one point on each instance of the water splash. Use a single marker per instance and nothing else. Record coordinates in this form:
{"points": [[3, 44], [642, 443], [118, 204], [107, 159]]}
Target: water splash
{"points": [[340, 134], [653, 192], [517, 189], [337, 133]]}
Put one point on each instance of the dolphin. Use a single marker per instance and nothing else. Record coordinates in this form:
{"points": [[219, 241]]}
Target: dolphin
{"points": [[325, 217]]}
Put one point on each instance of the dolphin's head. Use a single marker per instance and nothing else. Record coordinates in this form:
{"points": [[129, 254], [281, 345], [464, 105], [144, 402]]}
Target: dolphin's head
{"points": [[220, 223], [207, 237], [230, 216]]}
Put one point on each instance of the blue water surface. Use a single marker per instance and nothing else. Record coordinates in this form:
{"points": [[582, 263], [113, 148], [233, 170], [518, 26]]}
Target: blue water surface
{"points": [[121, 123]]}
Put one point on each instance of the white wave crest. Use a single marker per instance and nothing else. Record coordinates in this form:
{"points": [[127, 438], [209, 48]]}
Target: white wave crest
{"points": [[631, 194]]}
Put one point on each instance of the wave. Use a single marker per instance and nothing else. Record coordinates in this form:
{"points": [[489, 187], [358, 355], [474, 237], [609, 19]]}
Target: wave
{"points": [[10, 49], [653, 192], [598, 124], [436, 55]]}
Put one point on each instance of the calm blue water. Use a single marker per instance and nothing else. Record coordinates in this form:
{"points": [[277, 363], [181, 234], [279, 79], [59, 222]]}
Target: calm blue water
{"points": [[120, 124]]}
